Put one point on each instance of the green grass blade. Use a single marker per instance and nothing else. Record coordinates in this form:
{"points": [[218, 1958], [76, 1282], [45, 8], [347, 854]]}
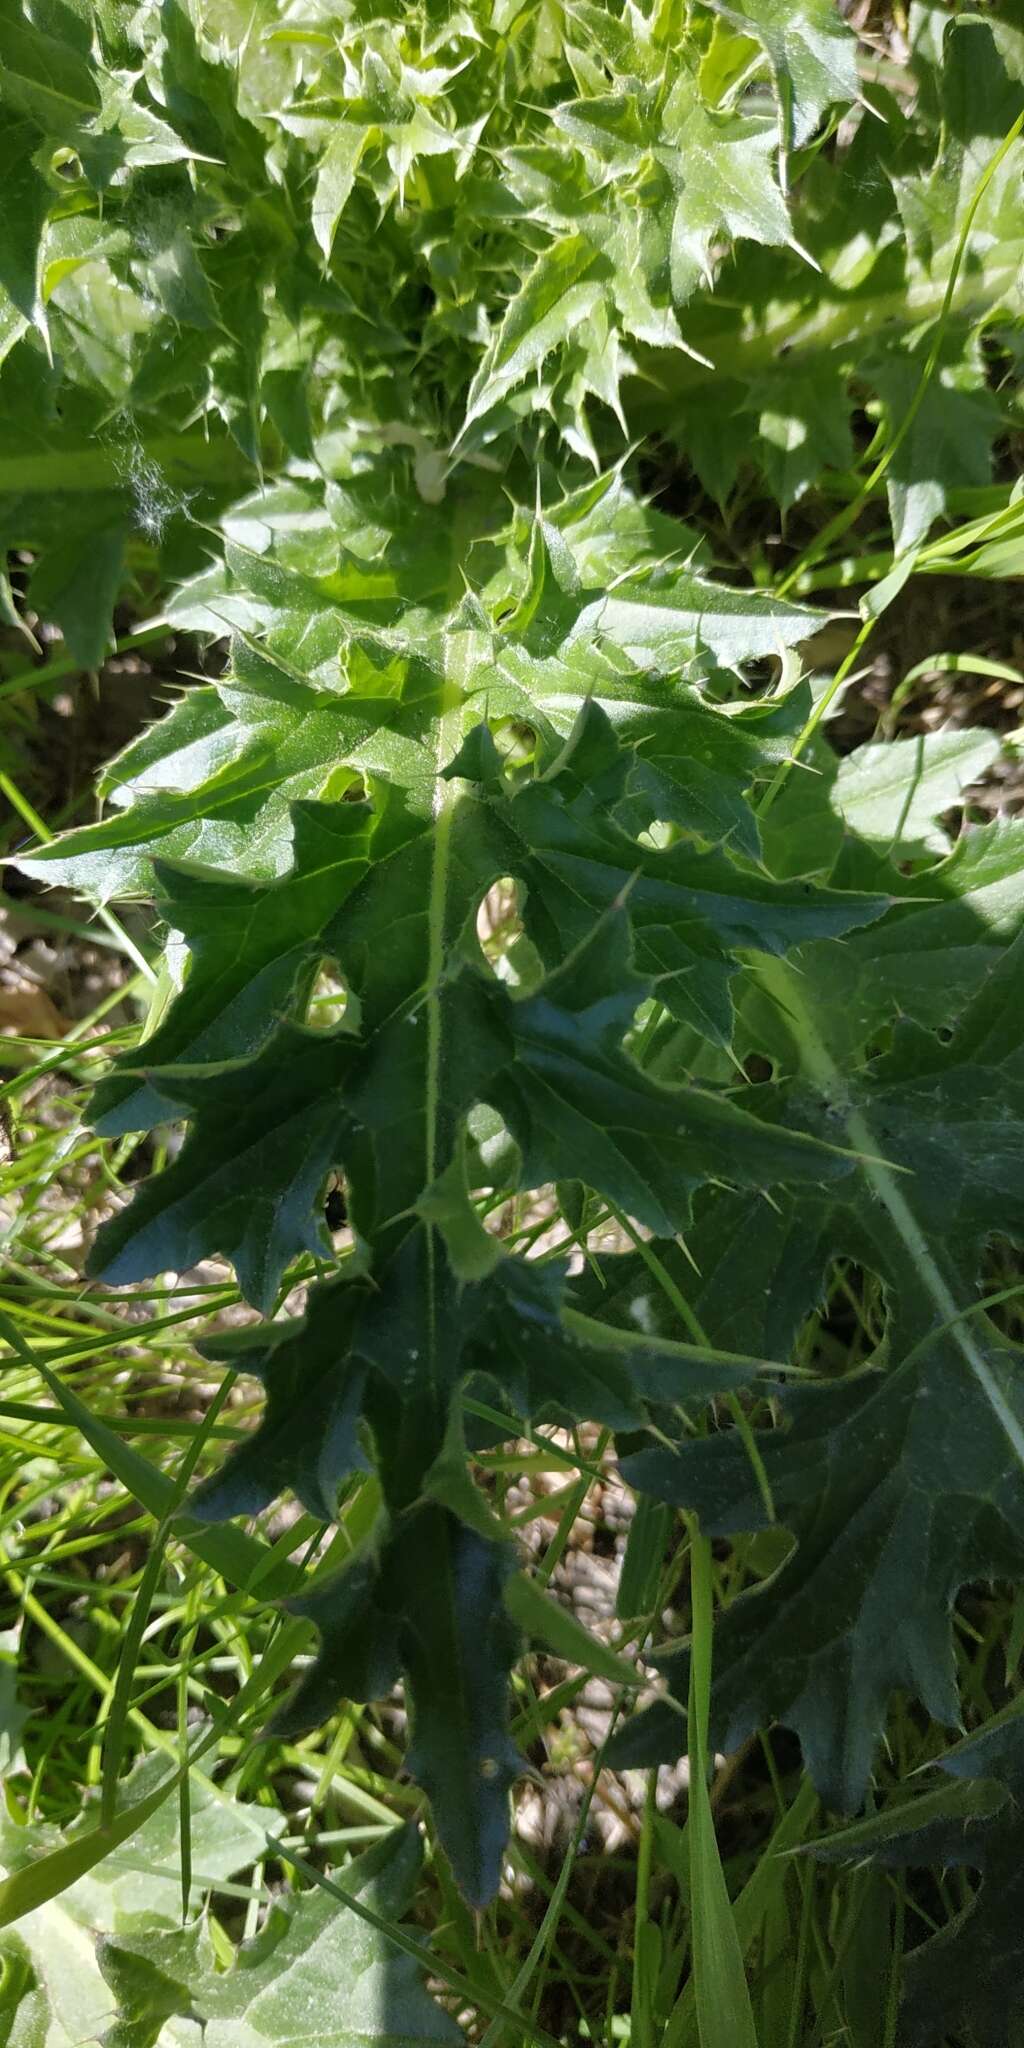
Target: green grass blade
{"points": [[724, 2015], [240, 1559]]}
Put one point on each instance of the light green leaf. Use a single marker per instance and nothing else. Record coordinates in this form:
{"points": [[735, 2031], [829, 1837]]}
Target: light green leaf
{"points": [[315, 1966], [812, 54], [894, 794], [559, 294], [721, 167], [950, 441], [335, 179], [136, 1883]]}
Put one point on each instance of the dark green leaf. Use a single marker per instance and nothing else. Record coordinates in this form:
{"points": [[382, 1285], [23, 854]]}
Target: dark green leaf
{"points": [[852, 1463]]}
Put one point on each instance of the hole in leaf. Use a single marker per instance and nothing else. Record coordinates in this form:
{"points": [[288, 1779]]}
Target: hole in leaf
{"points": [[759, 1556], [328, 998], [516, 742], [492, 1156], [659, 835], [336, 1205], [344, 785], [847, 1329], [509, 953], [65, 163], [762, 673], [954, 821], [1001, 1275]]}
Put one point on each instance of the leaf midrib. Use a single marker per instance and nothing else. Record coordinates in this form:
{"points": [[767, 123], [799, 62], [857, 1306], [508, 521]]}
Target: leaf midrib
{"points": [[783, 986]]}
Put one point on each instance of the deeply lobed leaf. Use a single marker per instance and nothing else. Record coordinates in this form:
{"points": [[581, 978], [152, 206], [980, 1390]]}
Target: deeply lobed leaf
{"points": [[458, 238]]}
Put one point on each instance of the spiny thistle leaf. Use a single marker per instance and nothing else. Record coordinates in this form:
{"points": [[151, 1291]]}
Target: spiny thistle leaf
{"points": [[510, 780], [881, 1497], [966, 1978], [388, 888], [314, 1966]]}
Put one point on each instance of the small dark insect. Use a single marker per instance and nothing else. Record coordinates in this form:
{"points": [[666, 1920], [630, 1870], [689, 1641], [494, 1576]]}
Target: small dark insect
{"points": [[335, 1209]]}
